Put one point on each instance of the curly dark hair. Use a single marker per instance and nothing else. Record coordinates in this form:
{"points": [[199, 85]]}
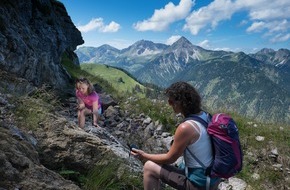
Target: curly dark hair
{"points": [[186, 95]]}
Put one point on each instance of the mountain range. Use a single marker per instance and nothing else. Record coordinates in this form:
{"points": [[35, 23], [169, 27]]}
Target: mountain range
{"points": [[256, 85]]}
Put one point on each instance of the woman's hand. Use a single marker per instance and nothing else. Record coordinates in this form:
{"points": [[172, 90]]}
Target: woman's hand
{"points": [[81, 107], [137, 153]]}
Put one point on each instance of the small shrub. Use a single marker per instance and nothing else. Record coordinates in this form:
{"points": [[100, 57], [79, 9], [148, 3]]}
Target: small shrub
{"points": [[32, 110], [120, 80], [75, 176]]}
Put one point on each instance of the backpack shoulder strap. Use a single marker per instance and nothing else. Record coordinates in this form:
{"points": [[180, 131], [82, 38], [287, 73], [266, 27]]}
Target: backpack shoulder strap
{"points": [[198, 160], [198, 119], [205, 124], [203, 166], [194, 125]]}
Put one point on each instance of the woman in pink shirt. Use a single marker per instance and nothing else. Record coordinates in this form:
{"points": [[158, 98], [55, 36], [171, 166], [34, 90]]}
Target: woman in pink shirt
{"points": [[88, 101]]}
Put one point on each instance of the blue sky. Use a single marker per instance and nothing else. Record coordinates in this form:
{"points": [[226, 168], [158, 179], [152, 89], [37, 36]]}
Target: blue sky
{"points": [[234, 25]]}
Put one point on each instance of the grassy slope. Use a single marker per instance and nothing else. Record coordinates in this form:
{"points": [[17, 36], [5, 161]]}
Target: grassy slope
{"points": [[117, 78], [257, 154]]}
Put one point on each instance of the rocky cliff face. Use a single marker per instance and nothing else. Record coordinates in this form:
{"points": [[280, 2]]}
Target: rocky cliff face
{"points": [[34, 34]]}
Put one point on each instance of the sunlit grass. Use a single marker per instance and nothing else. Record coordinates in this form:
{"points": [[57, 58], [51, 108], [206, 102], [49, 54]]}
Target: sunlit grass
{"points": [[257, 154], [33, 109], [117, 78]]}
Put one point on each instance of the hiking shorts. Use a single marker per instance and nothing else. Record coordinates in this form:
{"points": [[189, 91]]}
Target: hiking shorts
{"points": [[99, 110], [176, 178]]}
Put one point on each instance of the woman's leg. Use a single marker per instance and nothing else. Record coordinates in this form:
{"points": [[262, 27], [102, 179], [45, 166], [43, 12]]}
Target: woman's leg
{"points": [[151, 176], [95, 114], [82, 116]]}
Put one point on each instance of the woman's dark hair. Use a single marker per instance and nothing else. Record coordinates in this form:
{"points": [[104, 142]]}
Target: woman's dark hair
{"points": [[186, 95], [91, 88]]}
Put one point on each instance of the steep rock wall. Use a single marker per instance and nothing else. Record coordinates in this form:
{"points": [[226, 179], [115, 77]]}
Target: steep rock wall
{"points": [[34, 34]]}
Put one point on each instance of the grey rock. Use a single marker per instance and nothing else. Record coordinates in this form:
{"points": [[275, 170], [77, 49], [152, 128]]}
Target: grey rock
{"points": [[34, 36]]}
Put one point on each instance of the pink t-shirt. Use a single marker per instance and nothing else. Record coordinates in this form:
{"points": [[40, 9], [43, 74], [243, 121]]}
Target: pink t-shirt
{"points": [[89, 99]]}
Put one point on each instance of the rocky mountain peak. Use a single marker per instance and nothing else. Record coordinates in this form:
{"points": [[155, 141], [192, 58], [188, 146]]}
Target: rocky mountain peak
{"points": [[183, 42], [266, 51], [108, 49], [107, 46], [144, 48], [280, 58], [184, 50], [283, 53]]}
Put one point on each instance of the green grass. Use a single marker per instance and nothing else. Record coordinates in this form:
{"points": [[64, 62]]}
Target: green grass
{"points": [[117, 78], [76, 72], [111, 176], [32, 110], [256, 153], [113, 81], [75, 176]]}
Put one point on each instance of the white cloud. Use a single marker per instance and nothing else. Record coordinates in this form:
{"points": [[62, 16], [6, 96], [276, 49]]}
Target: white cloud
{"points": [[98, 24], [215, 12], [112, 27], [162, 18], [264, 16], [266, 9], [172, 39], [243, 22], [257, 27], [272, 29], [279, 26], [92, 25], [224, 49], [280, 38], [204, 44]]}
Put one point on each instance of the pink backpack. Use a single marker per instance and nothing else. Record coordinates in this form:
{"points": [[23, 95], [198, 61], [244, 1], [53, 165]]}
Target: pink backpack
{"points": [[228, 157]]}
